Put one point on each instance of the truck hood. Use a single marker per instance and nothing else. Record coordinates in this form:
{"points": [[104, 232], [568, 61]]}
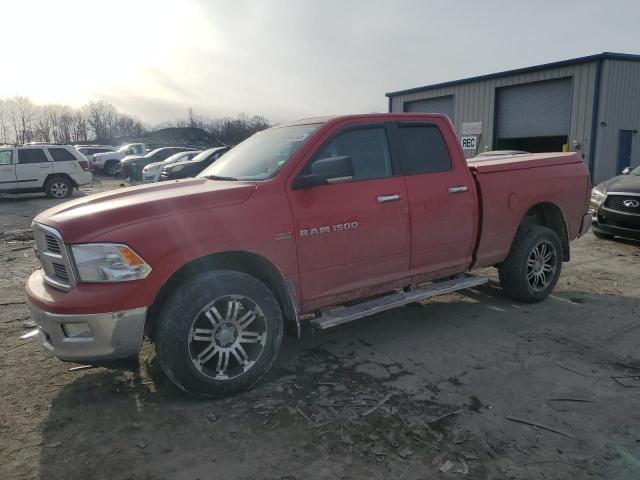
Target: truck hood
{"points": [[87, 218], [623, 183]]}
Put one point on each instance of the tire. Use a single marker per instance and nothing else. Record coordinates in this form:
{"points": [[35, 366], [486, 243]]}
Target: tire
{"points": [[58, 187], [603, 236], [532, 267], [202, 324], [110, 168]]}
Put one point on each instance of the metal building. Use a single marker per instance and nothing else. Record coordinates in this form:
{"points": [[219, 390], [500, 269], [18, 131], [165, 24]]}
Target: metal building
{"points": [[590, 105]]}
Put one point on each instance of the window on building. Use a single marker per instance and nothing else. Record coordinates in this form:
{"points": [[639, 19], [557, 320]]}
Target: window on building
{"points": [[424, 149]]}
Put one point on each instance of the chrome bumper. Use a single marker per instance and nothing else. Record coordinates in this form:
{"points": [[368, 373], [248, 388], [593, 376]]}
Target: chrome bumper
{"points": [[90, 337]]}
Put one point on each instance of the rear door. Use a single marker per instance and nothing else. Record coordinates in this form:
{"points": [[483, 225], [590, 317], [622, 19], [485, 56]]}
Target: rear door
{"points": [[441, 199], [7, 169], [33, 167], [353, 235], [64, 161]]}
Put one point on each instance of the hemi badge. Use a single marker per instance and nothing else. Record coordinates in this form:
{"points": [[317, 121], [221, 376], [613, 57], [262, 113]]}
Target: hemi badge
{"points": [[283, 236]]}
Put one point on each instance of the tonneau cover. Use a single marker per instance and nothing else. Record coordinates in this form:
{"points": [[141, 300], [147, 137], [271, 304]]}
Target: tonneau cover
{"points": [[501, 163]]}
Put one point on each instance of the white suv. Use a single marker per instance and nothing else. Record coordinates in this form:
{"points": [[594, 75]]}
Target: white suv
{"points": [[52, 169]]}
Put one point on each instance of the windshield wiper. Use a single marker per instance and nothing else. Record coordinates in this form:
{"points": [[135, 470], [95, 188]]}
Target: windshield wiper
{"points": [[217, 177]]}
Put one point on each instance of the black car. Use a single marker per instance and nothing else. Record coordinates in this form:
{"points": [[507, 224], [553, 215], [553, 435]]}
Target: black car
{"points": [[615, 206], [193, 166], [132, 167]]}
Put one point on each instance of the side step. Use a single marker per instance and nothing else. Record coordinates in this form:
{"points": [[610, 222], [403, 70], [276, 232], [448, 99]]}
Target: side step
{"points": [[338, 315]]}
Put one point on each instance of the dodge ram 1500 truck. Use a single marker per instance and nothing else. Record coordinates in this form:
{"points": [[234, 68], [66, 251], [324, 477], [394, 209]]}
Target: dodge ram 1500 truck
{"points": [[319, 221]]}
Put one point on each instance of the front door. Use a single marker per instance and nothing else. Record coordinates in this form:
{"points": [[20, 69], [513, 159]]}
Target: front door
{"points": [[7, 170], [441, 201], [624, 150], [33, 167], [354, 235]]}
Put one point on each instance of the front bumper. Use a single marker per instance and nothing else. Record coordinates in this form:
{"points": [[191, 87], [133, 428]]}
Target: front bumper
{"points": [[92, 336], [612, 222]]}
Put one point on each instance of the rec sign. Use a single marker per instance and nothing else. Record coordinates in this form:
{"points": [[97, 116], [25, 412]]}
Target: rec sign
{"points": [[468, 142]]}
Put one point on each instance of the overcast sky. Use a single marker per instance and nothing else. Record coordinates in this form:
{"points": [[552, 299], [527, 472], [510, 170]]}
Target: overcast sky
{"points": [[285, 59]]}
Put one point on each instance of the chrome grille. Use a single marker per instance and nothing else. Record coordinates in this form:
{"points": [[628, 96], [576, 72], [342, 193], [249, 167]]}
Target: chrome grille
{"points": [[617, 202], [52, 243], [53, 256]]}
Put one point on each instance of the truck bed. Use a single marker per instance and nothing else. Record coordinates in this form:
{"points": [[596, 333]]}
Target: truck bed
{"points": [[509, 186]]}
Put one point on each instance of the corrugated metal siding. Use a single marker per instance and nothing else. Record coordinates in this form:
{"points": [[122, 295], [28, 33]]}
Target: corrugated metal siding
{"points": [[443, 105], [619, 109], [475, 101]]}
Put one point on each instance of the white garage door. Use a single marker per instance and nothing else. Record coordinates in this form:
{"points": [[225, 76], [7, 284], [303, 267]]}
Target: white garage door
{"points": [[540, 109], [432, 105]]}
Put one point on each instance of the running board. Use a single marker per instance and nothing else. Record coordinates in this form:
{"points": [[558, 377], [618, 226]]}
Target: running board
{"points": [[332, 317]]}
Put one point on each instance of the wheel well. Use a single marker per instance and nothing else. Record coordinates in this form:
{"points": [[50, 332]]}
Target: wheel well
{"points": [[59, 175], [549, 215], [245, 262]]}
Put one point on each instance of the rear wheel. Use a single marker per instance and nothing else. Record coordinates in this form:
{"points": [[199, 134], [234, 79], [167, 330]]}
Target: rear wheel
{"points": [[219, 333], [58, 187], [532, 267]]}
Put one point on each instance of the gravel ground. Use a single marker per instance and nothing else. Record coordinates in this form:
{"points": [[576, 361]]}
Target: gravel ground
{"points": [[448, 389]]}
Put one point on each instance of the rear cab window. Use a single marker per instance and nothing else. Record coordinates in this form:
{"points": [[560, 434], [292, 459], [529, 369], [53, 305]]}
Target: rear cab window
{"points": [[32, 155], [423, 149], [61, 155]]}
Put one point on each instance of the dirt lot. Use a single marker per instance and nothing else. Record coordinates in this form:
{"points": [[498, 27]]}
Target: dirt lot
{"points": [[450, 378]]}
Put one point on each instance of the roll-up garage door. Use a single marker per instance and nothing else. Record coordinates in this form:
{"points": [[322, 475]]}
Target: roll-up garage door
{"points": [[538, 109], [432, 105]]}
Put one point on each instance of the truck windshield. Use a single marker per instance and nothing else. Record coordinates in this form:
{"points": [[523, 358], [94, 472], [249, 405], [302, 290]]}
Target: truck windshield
{"points": [[261, 155], [123, 148]]}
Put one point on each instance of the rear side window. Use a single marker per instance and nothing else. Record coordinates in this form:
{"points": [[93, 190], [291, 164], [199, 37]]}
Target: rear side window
{"points": [[32, 155], [424, 149], [368, 149], [61, 155], [6, 157]]}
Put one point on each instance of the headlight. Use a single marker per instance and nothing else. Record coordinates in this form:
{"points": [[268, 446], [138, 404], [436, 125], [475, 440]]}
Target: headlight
{"points": [[598, 194], [108, 262]]}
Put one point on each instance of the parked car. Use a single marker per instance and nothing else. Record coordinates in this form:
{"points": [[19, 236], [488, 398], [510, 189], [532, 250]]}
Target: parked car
{"points": [[109, 161], [615, 206], [131, 166], [318, 222], [53, 169], [194, 166], [151, 173]]}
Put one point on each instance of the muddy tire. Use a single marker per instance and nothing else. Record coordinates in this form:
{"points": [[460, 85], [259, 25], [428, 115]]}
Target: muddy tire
{"points": [[218, 333], [58, 187], [532, 267]]}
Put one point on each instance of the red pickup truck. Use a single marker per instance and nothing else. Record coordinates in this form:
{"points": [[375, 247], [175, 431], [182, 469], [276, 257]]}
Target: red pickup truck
{"points": [[319, 221]]}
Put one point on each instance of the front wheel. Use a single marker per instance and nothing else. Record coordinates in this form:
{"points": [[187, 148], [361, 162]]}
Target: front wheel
{"points": [[532, 267], [111, 168], [219, 333]]}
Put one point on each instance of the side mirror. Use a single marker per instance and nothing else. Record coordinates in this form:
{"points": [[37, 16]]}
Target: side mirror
{"points": [[626, 171], [326, 170]]}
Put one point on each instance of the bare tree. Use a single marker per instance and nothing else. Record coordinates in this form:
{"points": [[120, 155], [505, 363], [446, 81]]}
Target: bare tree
{"points": [[21, 111]]}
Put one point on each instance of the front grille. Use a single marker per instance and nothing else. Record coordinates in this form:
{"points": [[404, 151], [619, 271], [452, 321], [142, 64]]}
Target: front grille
{"points": [[52, 243], [53, 256], [617, 202], [60, 271]]}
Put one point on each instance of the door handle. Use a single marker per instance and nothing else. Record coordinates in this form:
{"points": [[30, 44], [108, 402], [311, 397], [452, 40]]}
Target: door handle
{"points": [[44, 166], [388, 198], [458, 189]]}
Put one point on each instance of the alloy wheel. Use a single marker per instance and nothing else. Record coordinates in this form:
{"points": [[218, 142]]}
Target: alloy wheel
{"points": [[541, 266], [59, 189], [227, 337]]}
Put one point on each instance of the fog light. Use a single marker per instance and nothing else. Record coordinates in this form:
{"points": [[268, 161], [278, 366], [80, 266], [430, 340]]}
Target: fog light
{"points": [[76, 330]]}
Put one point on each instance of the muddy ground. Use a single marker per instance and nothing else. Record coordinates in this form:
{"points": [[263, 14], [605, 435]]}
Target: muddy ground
{"points": [[442, 390]]}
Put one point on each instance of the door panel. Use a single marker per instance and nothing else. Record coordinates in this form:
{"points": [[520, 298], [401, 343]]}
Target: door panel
{"points": [[347, 240], [441, 200], [7, 170], [624, 150], [32, 168]]}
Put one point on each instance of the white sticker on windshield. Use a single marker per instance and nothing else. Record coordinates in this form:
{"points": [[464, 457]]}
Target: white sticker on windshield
{"points": [[295, 138]]}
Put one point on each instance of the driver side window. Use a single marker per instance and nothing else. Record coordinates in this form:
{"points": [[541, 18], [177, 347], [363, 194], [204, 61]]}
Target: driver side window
{"points": [[368, 149]]}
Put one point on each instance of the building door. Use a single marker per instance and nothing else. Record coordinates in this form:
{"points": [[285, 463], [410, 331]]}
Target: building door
{"points": [[624, 150], [533, 117]]}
